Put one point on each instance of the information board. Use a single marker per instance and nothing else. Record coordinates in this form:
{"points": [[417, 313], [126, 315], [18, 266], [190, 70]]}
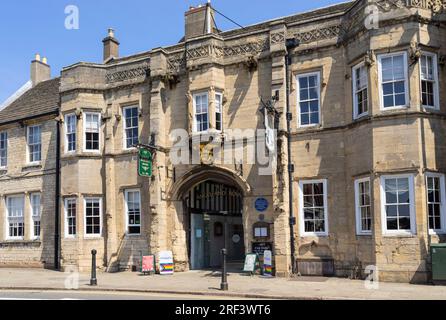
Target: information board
{"points": [[260, 247], [166, 262]]}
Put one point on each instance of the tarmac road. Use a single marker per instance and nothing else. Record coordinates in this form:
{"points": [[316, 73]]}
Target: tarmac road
{"points": [[88, 295]]}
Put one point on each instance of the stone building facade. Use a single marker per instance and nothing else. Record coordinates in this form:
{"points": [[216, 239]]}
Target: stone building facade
{"points": [[28, 162], [367, 107]]}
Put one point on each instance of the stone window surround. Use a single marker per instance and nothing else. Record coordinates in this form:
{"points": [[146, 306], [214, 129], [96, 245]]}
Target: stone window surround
{"points": [[356, 115], [66, 132], [406, 80], [301, 209], [443, 201], [30, 163], [101, 229], [434, 57], [413, 224], [211, 93], [84, 118], [4, 135], [126, 192], [27, 238], [358, 214], [33, 217], [65, 202], [318, 73], [124, 132]]}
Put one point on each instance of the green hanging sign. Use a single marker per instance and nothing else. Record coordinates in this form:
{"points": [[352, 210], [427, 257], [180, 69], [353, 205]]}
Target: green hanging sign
{"points": [[145, 161]]}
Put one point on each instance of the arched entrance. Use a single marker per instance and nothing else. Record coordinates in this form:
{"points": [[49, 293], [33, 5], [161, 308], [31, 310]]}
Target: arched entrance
{"points": [[215, 218]]}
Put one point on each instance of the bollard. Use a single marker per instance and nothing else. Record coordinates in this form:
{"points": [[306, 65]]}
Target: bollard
{"points": [[93, 280], [224, 277]]}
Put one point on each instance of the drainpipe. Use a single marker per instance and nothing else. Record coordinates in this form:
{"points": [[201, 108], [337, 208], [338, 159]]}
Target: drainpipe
{"points": [[290, 45], [56, 201]]}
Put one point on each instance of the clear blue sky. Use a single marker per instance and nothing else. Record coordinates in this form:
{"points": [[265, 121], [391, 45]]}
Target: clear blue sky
{"points": [[38, 26]]}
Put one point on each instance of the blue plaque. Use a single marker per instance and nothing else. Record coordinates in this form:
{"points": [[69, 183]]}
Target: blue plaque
{"points": [[261, 204]]}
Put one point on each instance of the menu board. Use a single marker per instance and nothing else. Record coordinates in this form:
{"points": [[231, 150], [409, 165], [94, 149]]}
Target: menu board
{"points": [[250, 263], [148, 264]]}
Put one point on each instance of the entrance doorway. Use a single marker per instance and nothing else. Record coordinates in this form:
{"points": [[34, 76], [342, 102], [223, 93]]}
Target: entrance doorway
{"points": [[216, 222]]}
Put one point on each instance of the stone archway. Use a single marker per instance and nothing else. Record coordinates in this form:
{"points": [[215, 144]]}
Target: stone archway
{"points": [[181, 211]]}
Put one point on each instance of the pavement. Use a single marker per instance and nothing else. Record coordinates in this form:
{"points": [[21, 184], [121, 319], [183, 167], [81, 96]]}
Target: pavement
{"points": [[207, 284]]}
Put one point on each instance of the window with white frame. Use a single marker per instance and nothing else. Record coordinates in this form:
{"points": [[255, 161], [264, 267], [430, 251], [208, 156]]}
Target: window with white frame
{"points": [[34, 144], [92, 128], [363, 207], [429, 80], [435, 186], [308, 95], [16, 218], [360, 91], [3, 149], [219, 111], [93, 219], [35, 214], [131, 126], [313, 208], [398, 210], [394, 87], [201, 111], [70, 132], [70, 217], [133, 211]]}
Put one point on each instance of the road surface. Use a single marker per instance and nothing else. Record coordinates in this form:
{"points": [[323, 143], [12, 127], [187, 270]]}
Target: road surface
{"points": [[88, 295]]}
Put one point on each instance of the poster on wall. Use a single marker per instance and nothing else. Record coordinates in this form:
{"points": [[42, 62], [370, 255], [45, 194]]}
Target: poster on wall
{"points": [[166, 262], [148, 264]]}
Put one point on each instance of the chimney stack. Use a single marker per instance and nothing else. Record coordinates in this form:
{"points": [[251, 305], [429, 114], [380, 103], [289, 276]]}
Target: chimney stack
{"points": [[200, 21], [40, 70], [111, 46]]}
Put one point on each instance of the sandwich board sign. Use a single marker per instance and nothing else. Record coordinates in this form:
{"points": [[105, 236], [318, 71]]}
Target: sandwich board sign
{"points": [[268, 263], [250, 263], [148, 264], [166, 262]]}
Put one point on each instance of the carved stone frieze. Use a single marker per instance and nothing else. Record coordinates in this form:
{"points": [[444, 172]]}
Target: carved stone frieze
{"points": [[129, 74], [318, 34]]}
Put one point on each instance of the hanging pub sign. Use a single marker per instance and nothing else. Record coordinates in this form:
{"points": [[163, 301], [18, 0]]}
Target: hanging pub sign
{"points": [[148, 264], [268, 263], [261, 204], [145, 159], [251, 263], [260, 247], [166, 262]]}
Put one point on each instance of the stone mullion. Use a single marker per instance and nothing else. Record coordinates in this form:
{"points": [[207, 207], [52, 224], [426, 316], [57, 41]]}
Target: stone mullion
{"points": [[212, 118]]}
